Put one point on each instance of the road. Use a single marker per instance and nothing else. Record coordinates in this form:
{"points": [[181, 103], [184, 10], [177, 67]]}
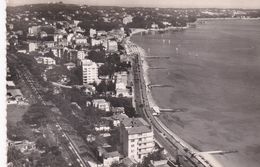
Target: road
{"points": [[65, 142], [174, 145]]}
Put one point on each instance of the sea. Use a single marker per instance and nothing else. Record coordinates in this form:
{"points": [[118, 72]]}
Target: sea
{"points": [[213, 77]]}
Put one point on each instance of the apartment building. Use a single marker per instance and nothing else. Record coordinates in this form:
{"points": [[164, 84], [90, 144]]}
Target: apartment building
{"points": [[89, 71], [137, 138]]}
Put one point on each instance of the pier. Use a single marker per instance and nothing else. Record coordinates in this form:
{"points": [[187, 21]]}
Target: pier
{"points": [[219, 152], [157, 57], [160, 85], [158, 68], [166, 109], [173, 109]]}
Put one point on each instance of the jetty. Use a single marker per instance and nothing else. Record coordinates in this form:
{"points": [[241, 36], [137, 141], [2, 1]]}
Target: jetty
{"points": [[160, 85], [219, 152], [157, 57], [158, 68]]}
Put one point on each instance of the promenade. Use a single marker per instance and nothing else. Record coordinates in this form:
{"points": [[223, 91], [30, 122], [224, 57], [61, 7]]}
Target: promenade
{"points": [[178, 149]]}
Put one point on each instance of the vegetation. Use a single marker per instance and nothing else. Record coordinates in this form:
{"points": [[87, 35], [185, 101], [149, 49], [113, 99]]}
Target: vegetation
{"points": [[116, 164], [36, 114], [97, 56], [155, 156], [104, 87]]}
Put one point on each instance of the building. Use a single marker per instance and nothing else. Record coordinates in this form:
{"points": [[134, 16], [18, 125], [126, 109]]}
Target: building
{"points": [[101, 104], [96, 42], [154, 26], [110, 157], [112, 46], [23, 146], [118, 110], [160, 163], [117, 119], [57, 51], [107, 157], [81, 54], [70, 65], [121, 85], [81, 41], [92, 32], [33, 46], [137, 138], [89, 71], [45, 60], [14, 96], [102, 126], [49, 44], [34, 30], [127, 19]]}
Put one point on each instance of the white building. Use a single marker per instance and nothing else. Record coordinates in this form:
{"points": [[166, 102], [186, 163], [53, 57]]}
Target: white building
{"points": [[137, 138], [81, 41], [34, 30], [81, 54], [57, 51], [89, 71], [110, 158], [112, 46], [128, 19], [23, 146], [45, 60], [33, 46], [101, 104], [96, 42], [121, 84], [92, 32]]}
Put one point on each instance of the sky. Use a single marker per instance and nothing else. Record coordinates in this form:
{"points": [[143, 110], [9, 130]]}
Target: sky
{"points": [[255, 4]]}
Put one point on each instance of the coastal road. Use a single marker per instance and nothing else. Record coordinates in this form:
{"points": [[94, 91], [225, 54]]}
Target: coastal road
{"points": [[175, 146]]}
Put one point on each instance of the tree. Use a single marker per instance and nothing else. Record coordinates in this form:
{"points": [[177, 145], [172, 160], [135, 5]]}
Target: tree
{"points": [[41, 143], [97, 56], [106, 69], [117, 164], [13, 154], [102, 87], [51, 160], [36, 114], [75, 76]]}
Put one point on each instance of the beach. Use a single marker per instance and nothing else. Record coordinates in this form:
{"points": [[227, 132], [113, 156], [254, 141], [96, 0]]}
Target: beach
{"points": [[215, 89]]}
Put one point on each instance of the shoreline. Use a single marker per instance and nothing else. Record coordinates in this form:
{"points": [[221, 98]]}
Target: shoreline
{"points": [[225, 18], [198, 20], [152, 103]]}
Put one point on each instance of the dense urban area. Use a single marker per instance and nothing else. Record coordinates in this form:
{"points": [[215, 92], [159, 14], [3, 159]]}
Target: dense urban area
{"points": [[75, 93]]}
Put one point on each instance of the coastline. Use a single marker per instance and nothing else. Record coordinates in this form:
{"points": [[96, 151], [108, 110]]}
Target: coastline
{"points": [[198, 21], [227, 18], [204, 156]]}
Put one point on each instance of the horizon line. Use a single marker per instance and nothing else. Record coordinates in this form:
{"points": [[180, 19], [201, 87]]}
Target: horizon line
{"points": [[122, 6]]}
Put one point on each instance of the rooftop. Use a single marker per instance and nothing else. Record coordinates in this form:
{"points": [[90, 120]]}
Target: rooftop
{"points": [[87, 62], [111, 154], [15, 92], [134, 122], [137, 130], [99, 101]]}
